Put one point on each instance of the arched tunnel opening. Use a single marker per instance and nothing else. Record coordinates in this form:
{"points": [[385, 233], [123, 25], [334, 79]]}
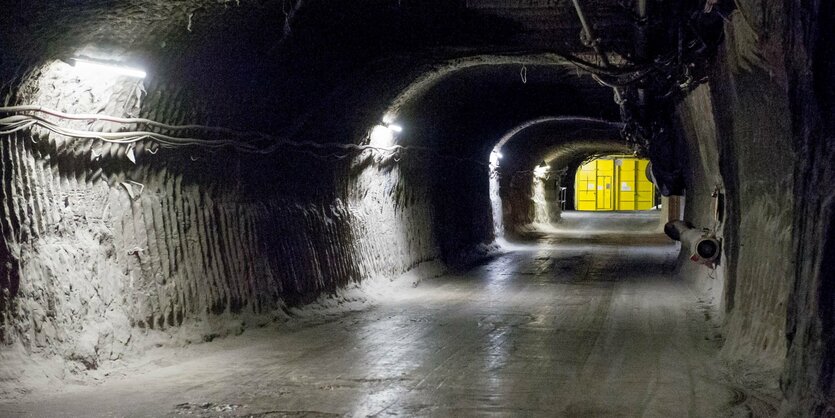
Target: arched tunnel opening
{"points": [[417, 208]]}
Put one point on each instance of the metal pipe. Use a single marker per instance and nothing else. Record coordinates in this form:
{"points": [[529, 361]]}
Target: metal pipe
{"points": [[582, 16], [641, 8], [641, 35], [641, 53], [703, 247], [590, 33]]}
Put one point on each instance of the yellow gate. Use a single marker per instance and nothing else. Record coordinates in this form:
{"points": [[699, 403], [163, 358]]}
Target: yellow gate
{"points": [[614, 183]]}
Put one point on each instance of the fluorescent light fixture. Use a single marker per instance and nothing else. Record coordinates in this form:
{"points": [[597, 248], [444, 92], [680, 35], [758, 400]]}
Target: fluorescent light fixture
{"points": [[107, 67], [382, 136]]}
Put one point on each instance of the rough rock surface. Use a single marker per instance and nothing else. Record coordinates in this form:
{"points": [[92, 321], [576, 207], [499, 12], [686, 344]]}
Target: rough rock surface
{"points": [[190, 244], [758, 131]]}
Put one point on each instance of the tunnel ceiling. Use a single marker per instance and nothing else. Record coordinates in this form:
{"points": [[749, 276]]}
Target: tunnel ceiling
{"points": [[304, 50], [552, 139], [143, 26], [273, 66], [469, 112]]}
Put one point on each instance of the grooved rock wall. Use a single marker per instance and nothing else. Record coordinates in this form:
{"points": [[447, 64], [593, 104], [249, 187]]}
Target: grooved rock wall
{"points": [[754, 128], [100, 253], [738, 131], [697, 124], [93, 266], [110, 246], [769, 106], [739, 134], [808, 379]]}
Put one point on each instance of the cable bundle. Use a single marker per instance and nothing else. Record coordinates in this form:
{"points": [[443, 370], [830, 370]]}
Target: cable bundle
{"points": [[173, 136], [25, 117]]}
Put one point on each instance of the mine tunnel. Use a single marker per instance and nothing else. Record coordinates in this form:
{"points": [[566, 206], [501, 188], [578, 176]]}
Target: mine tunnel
{"points": [[574, 208]]}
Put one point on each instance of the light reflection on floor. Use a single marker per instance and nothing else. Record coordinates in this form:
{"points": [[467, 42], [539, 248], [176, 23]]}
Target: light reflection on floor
{"points": [[549, 328]]}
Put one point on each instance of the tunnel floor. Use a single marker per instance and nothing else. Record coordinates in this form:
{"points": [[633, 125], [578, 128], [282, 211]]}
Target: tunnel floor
{"points": [[548, 328]]}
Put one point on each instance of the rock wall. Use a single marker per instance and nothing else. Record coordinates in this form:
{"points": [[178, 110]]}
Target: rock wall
{"points": [[762, 130], [100, 251], [738, 128], [545, 199], [519, 194], [105, 247], [108, 244], [703, 178], [808, 379]]}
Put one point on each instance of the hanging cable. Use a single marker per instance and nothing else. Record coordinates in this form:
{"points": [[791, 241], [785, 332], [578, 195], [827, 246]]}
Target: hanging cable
{"points": [[138, 121], [246, 141]]}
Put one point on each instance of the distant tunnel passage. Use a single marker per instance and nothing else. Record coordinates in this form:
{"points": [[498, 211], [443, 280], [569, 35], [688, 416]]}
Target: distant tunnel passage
{"points": [[614, 183]]}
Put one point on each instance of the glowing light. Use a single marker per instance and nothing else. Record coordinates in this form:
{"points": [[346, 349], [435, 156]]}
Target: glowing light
{"points": [[495, 156], [382, 136], [105, 67], [540, 171]]}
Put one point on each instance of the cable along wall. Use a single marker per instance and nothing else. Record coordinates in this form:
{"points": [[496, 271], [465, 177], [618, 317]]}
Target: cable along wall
{"points": [[113, 236]]}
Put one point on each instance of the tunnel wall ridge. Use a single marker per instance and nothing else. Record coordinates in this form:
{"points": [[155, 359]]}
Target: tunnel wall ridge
{"points": [[754, 146], [808, 378], [96, 268], [103, 254], [738, 129]]}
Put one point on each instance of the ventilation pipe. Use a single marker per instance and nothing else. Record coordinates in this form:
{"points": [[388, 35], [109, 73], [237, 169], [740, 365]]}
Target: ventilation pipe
{"points": [[703, 247]]}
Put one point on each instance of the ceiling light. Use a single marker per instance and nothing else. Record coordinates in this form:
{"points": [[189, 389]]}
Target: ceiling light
{"points": [[382, 136], [495, 156], [107, 67]]}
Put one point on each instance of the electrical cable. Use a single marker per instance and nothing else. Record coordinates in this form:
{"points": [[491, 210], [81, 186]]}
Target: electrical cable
{"points": [[21, 121], [139, 121], [596, 69], [18, 121]]}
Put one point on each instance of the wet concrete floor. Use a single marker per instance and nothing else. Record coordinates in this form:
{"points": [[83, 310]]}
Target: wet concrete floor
{"points": [[550, 328]]}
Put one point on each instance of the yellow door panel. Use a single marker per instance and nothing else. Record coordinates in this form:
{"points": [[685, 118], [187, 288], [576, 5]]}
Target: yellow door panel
{"points": [[614, 183], [604, 192], [605, 167]]}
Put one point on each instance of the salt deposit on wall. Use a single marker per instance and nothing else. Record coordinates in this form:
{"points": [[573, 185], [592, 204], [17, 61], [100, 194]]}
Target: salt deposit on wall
{"points": [[541, 215], [108, 247], [495, 197], [738, 128]]}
